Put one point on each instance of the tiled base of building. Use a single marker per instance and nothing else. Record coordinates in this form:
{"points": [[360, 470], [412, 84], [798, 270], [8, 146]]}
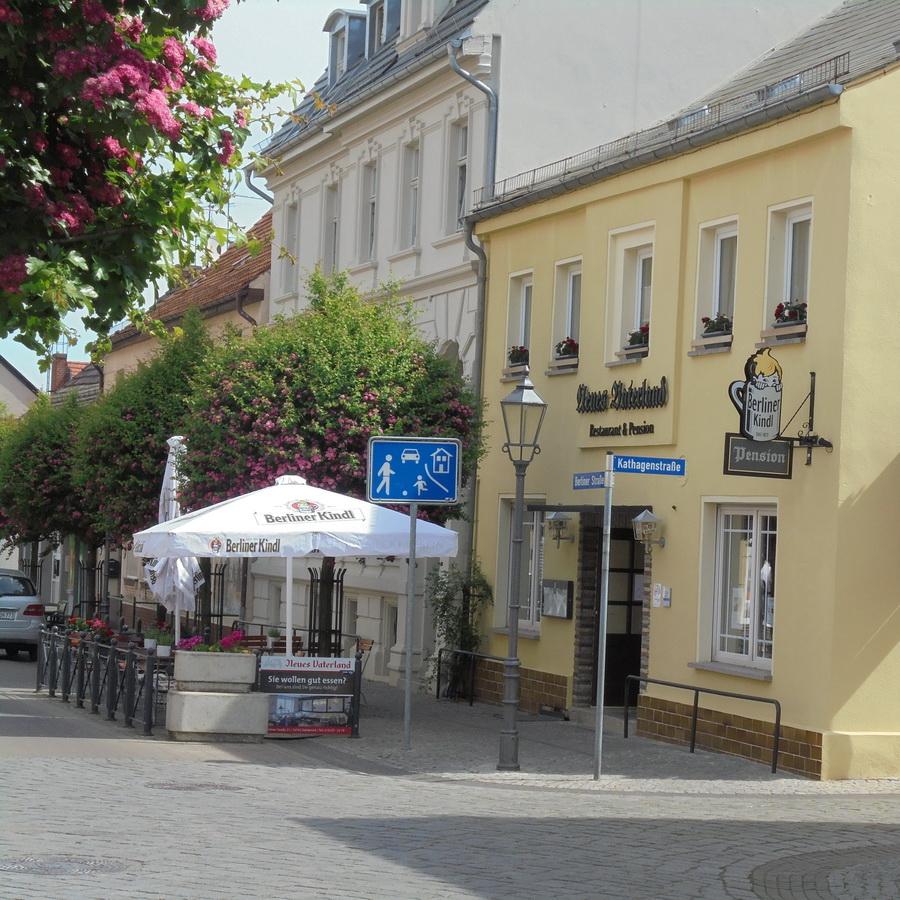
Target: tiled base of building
{"points": [[536, 689], [799, 751]]}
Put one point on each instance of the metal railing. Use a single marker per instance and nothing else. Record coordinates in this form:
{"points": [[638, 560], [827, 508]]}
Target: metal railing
{"points": [[109, 678], [453, 678], [641, 679], [688, 123]]}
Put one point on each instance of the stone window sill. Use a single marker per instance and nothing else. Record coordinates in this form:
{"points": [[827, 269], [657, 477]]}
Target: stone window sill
{"points": [[448, 241], [784, 334], [404, 254], [368, 265], [514, 373], [703, 346], [525, 633], [565, 366], [729, 669]]}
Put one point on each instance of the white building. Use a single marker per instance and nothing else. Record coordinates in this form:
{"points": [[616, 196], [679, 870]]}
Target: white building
{"points": [[377, 174]]}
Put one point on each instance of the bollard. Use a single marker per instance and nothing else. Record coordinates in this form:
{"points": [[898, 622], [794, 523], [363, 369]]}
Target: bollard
{"points": [[51, 663], [95, 677], [40, 663], [149, 680], [112, 681], [357, 694], [66, 669], [129, 686], [79, 674]]}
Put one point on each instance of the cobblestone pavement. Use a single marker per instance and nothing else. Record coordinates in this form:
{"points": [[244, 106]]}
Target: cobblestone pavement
{"points": [[89, 810]]}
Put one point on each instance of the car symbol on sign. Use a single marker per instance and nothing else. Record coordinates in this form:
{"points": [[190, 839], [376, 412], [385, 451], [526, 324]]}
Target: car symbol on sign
{"points": [[409, 455]]}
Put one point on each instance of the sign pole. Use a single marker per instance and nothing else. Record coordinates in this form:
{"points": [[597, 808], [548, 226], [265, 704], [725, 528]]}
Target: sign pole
{"points": [[601, 625], [410, 597]]}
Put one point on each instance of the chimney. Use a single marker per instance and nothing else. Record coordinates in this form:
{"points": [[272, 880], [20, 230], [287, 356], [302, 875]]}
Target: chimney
{"points": [[59, 372]]}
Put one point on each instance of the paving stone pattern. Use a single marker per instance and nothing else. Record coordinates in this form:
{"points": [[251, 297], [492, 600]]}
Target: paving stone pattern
{"points": [[362, 819]]}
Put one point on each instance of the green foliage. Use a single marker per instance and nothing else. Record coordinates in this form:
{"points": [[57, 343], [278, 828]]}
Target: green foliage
{"points": [[38, 497], [305, 395], [457, 600], [121, 450], [119, 138]]}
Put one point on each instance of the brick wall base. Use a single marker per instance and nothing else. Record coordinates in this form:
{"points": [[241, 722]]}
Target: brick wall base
{"points": [[799, 751], [536, 689]]}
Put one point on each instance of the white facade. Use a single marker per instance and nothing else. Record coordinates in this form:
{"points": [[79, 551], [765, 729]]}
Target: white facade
{"points": [[377, 187]]}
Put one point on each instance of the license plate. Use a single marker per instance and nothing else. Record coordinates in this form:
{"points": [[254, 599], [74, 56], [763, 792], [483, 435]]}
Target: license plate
{"points": [[7, 613]]}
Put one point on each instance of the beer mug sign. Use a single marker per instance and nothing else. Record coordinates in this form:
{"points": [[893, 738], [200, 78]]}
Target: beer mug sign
{"points": [[758, 397]]}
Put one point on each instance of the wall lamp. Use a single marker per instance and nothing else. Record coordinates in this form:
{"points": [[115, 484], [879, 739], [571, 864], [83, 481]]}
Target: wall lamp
{"points": [[558, 524], [646, 528]]}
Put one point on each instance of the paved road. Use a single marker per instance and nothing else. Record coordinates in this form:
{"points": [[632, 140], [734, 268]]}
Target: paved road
{"points": [[88, 810]]}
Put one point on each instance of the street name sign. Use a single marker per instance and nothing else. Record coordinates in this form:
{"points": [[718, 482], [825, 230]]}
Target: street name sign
{"points": [[649, 465], [584, 481], [426, 471]]}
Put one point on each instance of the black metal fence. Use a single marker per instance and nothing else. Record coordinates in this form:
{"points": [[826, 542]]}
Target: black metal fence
{"points": [[642, 679], [461, 666], [120, 682]]}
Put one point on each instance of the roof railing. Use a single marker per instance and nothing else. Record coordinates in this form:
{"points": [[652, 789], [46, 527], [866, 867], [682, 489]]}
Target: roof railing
{"points": [[690, 122]]}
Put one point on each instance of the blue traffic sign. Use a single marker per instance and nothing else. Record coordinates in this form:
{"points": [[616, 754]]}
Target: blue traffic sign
{"points": [[583, 481], [649, 465], [414, 470]]}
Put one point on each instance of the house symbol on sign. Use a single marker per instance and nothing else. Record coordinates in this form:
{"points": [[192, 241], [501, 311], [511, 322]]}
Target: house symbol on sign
{"points": [[440, 462]]}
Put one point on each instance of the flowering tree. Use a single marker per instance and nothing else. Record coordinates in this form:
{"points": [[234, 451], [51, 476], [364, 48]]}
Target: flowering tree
{"points": [[118, 135], [304, 396], [38, 498], [120, 455]]}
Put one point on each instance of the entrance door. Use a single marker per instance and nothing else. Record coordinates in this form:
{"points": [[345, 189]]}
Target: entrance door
{"points": [[626, 599]]}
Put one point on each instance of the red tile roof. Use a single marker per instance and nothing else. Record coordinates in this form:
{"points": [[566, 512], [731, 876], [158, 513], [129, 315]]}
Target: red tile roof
{"points": [[233, 271]]}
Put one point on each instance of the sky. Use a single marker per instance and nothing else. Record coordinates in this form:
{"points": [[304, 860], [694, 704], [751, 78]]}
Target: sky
{"points": [[276, 40]]}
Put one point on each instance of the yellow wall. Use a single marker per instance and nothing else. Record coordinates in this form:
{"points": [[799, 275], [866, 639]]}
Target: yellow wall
{"points": [[837, 620]]}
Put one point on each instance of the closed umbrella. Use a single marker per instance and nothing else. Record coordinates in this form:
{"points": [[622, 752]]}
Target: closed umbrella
{"points": [[173, 580]]}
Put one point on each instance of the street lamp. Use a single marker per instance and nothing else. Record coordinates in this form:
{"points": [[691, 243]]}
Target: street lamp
{"points": [[523, 414]]}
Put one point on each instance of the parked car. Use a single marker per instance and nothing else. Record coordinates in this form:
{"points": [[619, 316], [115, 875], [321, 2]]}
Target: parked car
{"points": [[21, 614]]}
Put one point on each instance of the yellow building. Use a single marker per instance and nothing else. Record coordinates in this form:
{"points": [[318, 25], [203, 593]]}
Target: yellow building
{"points": [[779, 188]]}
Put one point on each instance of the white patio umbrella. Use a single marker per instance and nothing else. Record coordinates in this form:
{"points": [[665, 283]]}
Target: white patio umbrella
{"points": [[173, 581], [290, 519]]}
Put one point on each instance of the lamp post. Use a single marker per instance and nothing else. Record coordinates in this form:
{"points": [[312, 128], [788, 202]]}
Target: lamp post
{"points": [[523, 414]]}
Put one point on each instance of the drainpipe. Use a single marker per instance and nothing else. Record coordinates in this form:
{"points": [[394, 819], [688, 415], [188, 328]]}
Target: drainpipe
{"points": [[248, 180], [453, 50], [242, 295]]}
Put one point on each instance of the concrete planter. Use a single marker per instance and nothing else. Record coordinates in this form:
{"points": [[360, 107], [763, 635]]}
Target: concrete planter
{"points": [[212, 700], [229, 672]]}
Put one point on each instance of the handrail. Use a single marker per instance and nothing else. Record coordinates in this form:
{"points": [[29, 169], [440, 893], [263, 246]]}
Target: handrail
{"points": [[472, 656], [776, 734]]}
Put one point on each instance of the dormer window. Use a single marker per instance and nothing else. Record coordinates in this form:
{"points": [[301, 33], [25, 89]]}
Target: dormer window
{"points": [[348, 42]]}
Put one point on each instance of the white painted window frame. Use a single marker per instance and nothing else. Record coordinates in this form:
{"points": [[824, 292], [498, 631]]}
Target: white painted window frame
{"points": [[751, 659], [722, 234], [368, 211], [792, 219]]}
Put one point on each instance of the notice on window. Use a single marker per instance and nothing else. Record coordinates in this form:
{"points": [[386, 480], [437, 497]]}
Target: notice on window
{"points": [[308, 695]]}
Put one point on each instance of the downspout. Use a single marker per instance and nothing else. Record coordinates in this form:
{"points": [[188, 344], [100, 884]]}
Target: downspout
{"points": [[248, 180], [241, 296], [453, 50]]}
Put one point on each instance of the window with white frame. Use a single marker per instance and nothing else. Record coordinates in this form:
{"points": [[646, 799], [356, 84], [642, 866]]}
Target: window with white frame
{"points": [[368, 212], [409, 207], [629, 292], [567, 309], [332, 219], [518, 331], [288, 250], [744, 613], [340, 53], [787, 288], [717, 277], [531, 570], [458, 174], [376, 27]]}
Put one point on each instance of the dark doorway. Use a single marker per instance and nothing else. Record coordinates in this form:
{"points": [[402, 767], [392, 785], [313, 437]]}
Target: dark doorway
{"points": [[626, 600]]}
